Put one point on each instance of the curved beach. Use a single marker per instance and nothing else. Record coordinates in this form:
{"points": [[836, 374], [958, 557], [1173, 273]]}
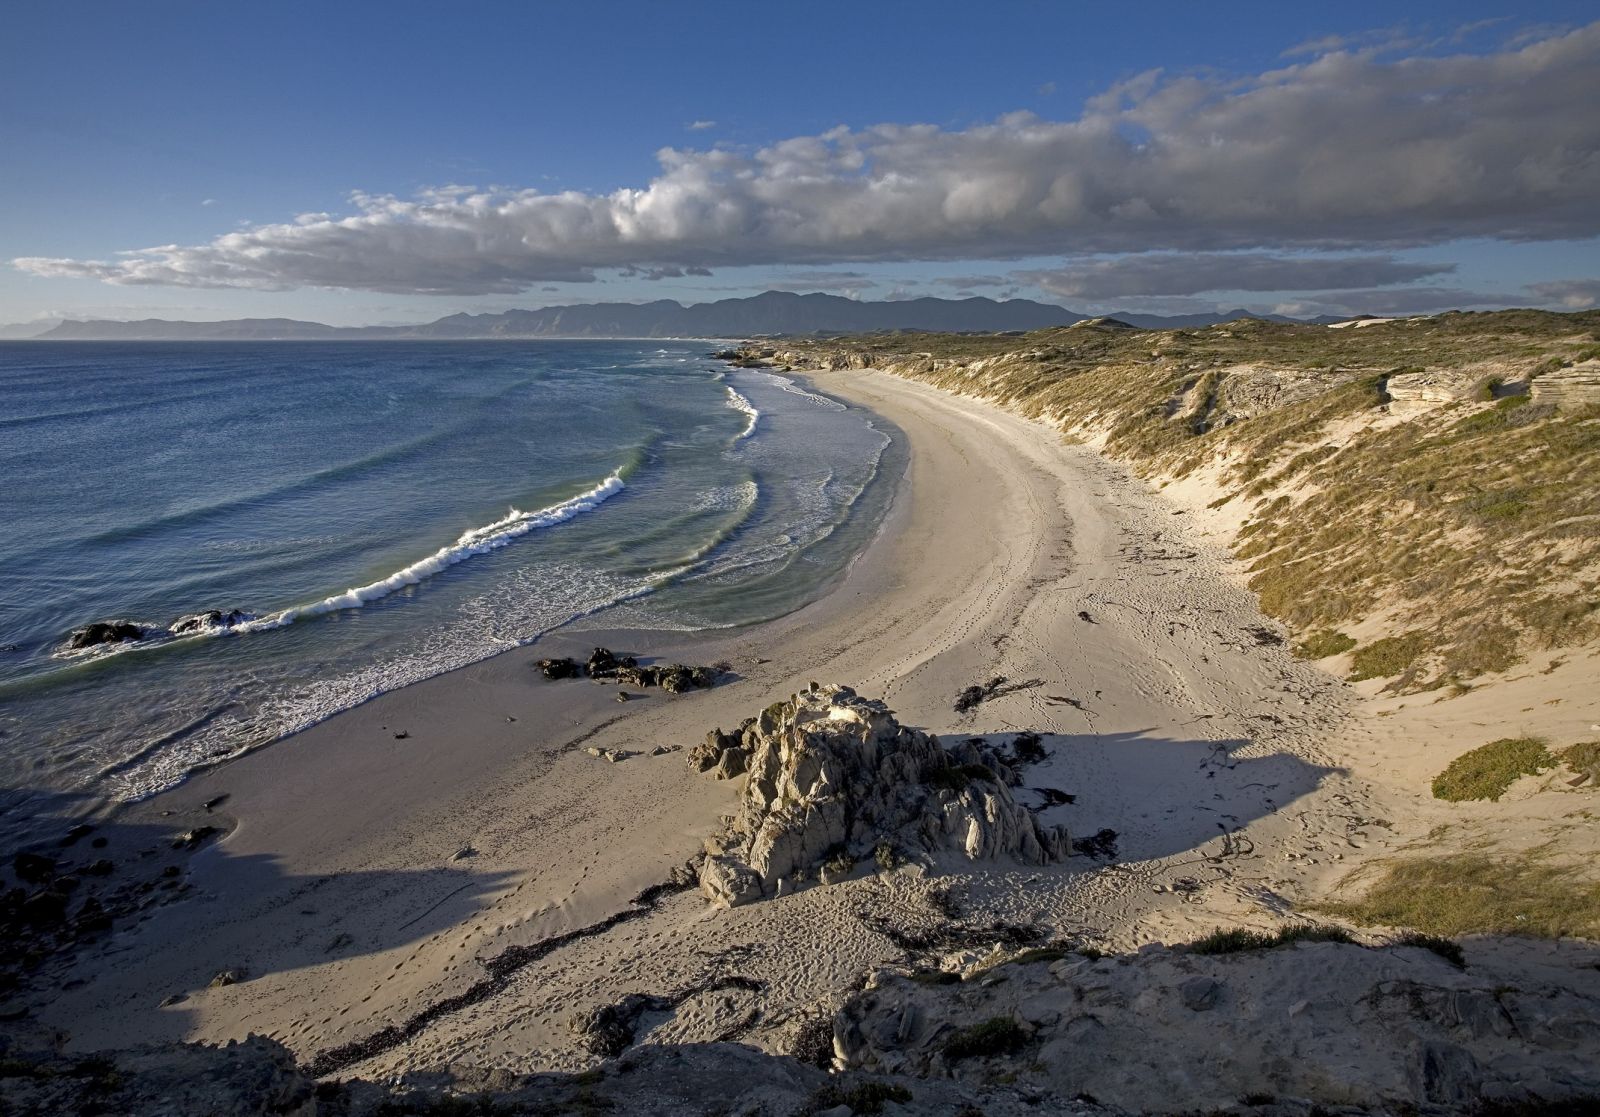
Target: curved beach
{"points": [[372, 862]]}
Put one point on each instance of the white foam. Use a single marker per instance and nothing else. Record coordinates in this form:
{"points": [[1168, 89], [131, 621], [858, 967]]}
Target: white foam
{"points": [[811, 397], [739, 403], [478, 541]]}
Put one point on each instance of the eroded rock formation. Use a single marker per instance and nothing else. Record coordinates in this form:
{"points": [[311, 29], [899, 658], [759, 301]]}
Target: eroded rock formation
{"points": [[832, 779]]}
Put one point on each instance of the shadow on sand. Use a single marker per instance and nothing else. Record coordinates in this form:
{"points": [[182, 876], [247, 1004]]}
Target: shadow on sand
{"points": [[1162, 796], [126, 933]]}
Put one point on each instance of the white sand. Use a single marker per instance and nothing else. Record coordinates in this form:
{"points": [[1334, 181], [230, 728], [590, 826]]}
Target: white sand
{"points": [[1222, 762]]}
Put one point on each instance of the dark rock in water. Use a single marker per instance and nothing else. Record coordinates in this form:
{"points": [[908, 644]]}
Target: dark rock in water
{"points": [[191, 839], [10, 647], [33, 868], [228, 977], [211, 618], [100, 843], [104, 632], [559, 668]]}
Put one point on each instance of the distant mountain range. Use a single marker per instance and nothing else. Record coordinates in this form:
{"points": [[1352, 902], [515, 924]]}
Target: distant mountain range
{"points": [[769, 314]]}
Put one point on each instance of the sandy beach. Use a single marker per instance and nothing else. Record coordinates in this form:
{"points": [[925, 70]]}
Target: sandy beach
{"points": [[370, 865]]}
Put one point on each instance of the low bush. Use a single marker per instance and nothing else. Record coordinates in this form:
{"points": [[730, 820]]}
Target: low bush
{"points": [[863, 1097], [1238, 940], [1583, 758], [999, 1035], [1321, 645], [1489, 770], [1448, 949], [1387, 657], [1476, 893]]}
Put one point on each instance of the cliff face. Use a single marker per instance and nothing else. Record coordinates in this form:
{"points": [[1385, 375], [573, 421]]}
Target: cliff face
{"points": [[1398, 491]]}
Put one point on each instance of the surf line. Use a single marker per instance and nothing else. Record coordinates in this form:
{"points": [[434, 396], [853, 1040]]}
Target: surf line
{"points": [[478, 541]]}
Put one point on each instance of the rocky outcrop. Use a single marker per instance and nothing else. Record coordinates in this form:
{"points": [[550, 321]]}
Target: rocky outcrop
{"points": [[1429, 388], [1578, 386], [606, 666], [1399, 1029], [833, 779], [256, 1077]]}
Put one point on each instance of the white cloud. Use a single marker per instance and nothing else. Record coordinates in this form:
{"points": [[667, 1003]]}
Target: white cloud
{"points": [[1346, 151], [208, 201], [1192, 273], [701, 125]]}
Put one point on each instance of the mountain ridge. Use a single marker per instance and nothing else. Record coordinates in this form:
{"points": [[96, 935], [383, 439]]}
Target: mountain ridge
{"points": [[771, 313]]}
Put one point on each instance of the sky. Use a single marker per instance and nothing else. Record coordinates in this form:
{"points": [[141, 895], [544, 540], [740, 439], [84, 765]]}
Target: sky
{"points": [[365, 163]]}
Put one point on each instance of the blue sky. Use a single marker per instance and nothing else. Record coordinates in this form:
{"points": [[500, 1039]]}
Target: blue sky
{"points": [[211, 128]]}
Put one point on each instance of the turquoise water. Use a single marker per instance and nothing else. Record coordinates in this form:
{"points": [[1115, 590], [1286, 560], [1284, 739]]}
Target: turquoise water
{"points": [[379, 513]]}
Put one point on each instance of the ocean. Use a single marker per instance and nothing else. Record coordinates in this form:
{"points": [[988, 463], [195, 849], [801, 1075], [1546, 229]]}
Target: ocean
{"points": [[368, 514]]}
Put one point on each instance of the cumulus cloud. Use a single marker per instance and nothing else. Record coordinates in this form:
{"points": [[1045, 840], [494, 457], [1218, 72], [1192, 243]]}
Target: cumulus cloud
{"points": [[1574, 294], [1350, 150], [700, 125], [1192, 273]]}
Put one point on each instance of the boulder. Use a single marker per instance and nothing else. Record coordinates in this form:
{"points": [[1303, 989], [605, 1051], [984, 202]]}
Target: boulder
{"points": [[833, 777], [559, 668], [104, 632], [604, 665], [211, 618]]}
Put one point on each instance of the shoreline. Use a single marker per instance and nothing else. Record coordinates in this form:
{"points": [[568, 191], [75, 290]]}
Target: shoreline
{"points": [[368, 877]]}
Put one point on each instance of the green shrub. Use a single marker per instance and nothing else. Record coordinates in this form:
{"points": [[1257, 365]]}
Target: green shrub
{"points": [[999, 1035], [863, 1097], [1448, 949], [1321, 645], [1387, 657], [1238, 940], [1475, 893], [1488, 770], [1583, 758]]}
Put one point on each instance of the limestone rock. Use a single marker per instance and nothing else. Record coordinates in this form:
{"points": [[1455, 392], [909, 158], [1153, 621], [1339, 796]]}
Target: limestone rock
{"points": [[833, 777], [1577, 386]]}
